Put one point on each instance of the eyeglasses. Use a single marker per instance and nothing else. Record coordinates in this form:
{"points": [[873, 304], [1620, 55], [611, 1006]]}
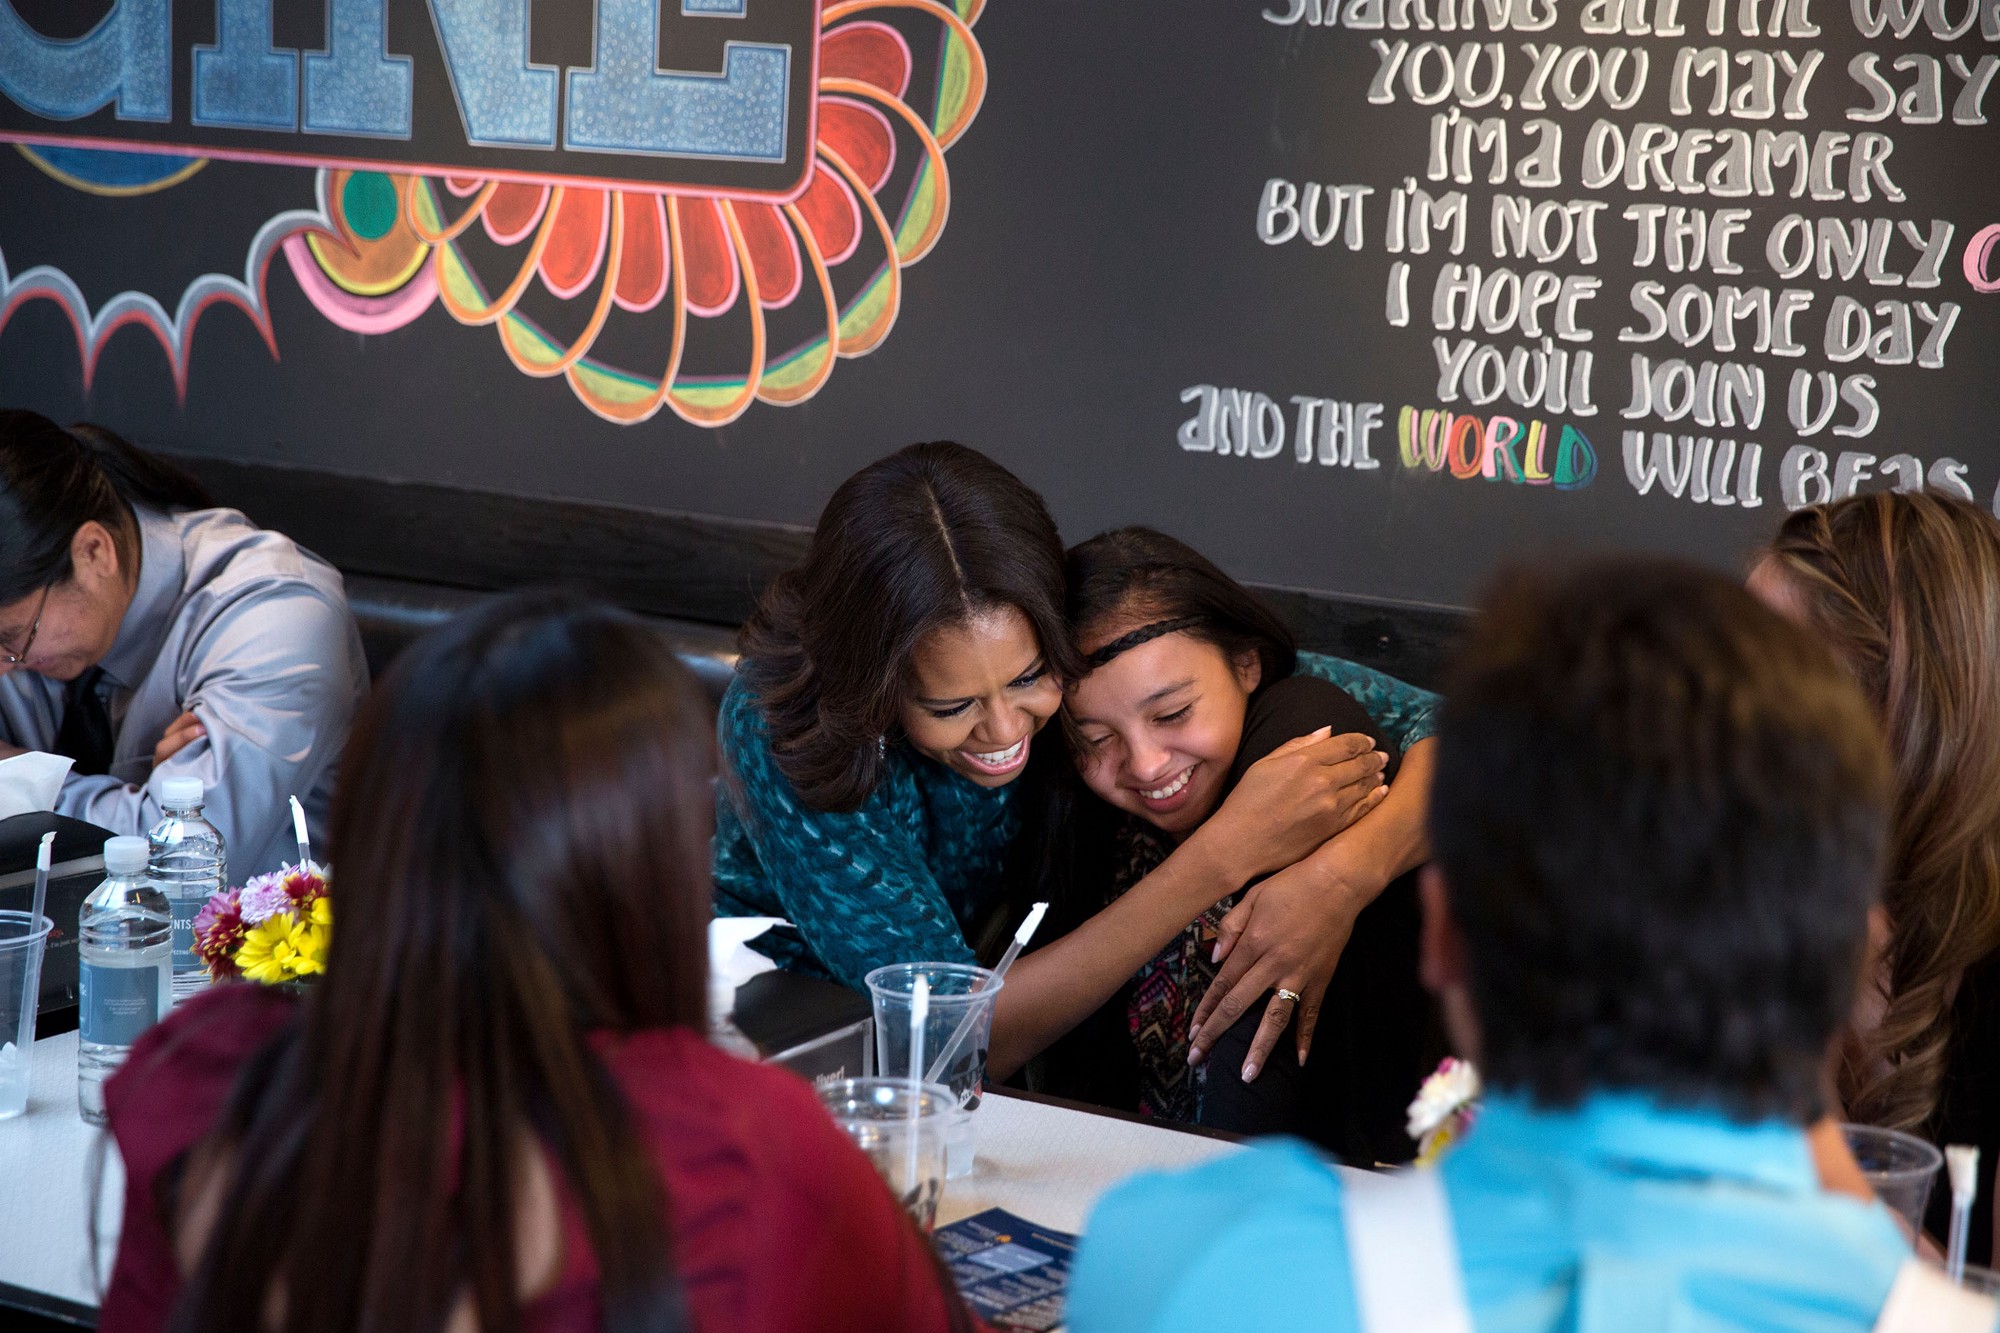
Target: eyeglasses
{"points": [[21, 658]]}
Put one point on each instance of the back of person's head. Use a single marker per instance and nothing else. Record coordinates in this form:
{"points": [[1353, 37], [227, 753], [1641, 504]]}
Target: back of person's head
{"points": [[519, 850], [54, 480], [1906, 589], [927, 538], [1659, 813], [1137, 583]]}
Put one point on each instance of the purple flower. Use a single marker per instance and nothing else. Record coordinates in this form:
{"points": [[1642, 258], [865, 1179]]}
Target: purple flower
{"points": [[263, 898]]}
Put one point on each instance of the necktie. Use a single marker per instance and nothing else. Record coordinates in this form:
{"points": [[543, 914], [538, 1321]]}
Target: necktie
{"points": [[85, 734]]}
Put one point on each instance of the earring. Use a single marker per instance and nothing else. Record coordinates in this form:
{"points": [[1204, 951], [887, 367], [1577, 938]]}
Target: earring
{"points": [[881, 747]]}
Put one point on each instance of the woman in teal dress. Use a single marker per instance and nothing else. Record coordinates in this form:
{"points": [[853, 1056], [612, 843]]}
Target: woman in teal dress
{"points": [[887, 702]]}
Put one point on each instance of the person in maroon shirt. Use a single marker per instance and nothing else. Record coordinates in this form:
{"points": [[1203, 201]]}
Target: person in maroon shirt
{"points": [[497, 1110]]}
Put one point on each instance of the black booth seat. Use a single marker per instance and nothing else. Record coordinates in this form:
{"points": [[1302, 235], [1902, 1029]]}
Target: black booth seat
{"points": [[393, 612]]}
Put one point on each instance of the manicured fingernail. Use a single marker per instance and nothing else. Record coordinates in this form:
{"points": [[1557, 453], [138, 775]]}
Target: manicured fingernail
{"points": [[1215, 954], [1249, 1072], [1194, 1055]]}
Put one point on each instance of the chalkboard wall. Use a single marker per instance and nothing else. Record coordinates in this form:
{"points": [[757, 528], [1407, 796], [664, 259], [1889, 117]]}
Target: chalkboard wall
{"points": [[1192, 273]]}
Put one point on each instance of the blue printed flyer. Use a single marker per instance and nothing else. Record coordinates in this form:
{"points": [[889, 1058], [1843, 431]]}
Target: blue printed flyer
{"points": [[1013, 1273]]}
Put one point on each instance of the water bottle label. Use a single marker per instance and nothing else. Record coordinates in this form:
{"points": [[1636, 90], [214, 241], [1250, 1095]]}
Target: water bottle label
{"points": [[118, 1003], [185, 911]]}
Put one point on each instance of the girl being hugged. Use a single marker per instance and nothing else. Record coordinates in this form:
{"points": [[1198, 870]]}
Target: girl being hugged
{"points": [[1189, 680], [888, 702]]}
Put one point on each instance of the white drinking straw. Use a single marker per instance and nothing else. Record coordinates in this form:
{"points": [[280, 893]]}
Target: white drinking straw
{"points": [[920, 1014], [949, 1051], [41, 882], [299, 828], [1963, 1164]]}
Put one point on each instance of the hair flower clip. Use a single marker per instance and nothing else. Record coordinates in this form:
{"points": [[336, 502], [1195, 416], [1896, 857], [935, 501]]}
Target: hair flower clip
{"points": [[1445, 1108]]}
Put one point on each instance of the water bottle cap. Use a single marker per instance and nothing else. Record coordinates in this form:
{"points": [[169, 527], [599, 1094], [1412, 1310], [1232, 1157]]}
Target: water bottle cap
{"points": [[181, 791], [125, 856]]}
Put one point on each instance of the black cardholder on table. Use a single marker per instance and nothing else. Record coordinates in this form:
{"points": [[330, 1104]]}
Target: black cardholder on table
{"points": [[1012, 1273], [815, 1028], [76, 866]]}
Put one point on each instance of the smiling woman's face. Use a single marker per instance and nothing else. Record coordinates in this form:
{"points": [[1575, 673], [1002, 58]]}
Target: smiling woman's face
{"points": [[979, 691], [1160, 725]]}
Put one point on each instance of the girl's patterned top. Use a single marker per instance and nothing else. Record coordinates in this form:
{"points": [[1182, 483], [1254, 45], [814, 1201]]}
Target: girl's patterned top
{"points": [[1159, 1011], [898, 879]]}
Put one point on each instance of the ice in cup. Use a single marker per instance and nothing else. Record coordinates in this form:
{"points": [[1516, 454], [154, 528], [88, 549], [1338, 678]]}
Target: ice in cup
{"points": [[22, 940], [876, 1114]]}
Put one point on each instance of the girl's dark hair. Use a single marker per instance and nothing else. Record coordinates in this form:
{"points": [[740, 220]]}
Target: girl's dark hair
{"points": [[923, 539], [1144, 580], [521, 835], [1660, 813], [53, 481]]}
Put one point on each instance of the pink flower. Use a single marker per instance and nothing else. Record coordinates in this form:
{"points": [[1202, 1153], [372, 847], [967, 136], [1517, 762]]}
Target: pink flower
{"points": [[303, 884], [218, 930]]}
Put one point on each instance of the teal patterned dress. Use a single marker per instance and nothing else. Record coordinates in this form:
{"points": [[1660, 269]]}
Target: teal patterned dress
{"points": [[901, 878]]}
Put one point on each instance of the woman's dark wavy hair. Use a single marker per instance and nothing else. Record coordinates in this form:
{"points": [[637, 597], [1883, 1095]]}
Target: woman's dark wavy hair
{"points": [[1660, 809], [53, 481], [923, 539], [1906, 588], [521, 834]]}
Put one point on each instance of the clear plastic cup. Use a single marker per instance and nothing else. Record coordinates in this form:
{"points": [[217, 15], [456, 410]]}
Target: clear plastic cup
{"points": [[22, 940], [1900, 1168], [875, 1113], [957, 989]]}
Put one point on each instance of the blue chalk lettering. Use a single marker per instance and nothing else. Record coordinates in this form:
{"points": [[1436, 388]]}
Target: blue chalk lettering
{"points": [[503, 100], [355, 86], [125, 57], [243, 81], [624, 103]]}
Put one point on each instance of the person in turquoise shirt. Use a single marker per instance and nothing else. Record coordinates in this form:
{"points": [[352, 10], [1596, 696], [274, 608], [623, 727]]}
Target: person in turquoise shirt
{"points": [[1657, 821], [886, 705]]}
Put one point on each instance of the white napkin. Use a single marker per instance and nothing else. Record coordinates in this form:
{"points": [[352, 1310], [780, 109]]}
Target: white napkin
{"points": [[731, 960], [30, 783]]}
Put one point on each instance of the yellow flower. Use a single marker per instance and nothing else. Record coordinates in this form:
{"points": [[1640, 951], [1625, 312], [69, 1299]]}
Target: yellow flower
{"points": [[265, 949], [285, 948]]}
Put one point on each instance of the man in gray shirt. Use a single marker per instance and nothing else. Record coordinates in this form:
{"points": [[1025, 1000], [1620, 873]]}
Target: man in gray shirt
{"points": [[150, 636]]}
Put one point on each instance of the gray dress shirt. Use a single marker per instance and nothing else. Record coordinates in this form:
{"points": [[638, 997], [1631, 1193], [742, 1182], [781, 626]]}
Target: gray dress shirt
{"points": [[254, 636]]}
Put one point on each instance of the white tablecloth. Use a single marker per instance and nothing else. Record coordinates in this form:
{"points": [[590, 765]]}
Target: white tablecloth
{"points": [[1045, 1163], [46, 1168], [1049, 1164]]}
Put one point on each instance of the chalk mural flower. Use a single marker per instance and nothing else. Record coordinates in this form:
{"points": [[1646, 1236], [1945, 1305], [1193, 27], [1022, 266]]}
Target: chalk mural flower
{"points": [[697, 301], [781, 289]]}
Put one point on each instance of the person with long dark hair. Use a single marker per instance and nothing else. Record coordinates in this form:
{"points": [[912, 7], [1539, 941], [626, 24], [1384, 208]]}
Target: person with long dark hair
{"points": [[147, 634], [1189, 680], [885, 710], [1906, 589], [498, 1109]]}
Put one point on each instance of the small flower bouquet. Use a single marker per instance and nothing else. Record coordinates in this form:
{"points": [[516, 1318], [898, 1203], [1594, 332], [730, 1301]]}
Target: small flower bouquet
{"points": [[1445, 1108], [273, 930]]}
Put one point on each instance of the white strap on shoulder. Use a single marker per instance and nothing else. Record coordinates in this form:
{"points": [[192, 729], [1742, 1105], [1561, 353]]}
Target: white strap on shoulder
{"points": [[1402, 1253], [1923, 1300]]}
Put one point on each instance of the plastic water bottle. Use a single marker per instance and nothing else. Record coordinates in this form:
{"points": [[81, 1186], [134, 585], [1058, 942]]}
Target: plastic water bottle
{"points": [[125, 941], [187, 859]]}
